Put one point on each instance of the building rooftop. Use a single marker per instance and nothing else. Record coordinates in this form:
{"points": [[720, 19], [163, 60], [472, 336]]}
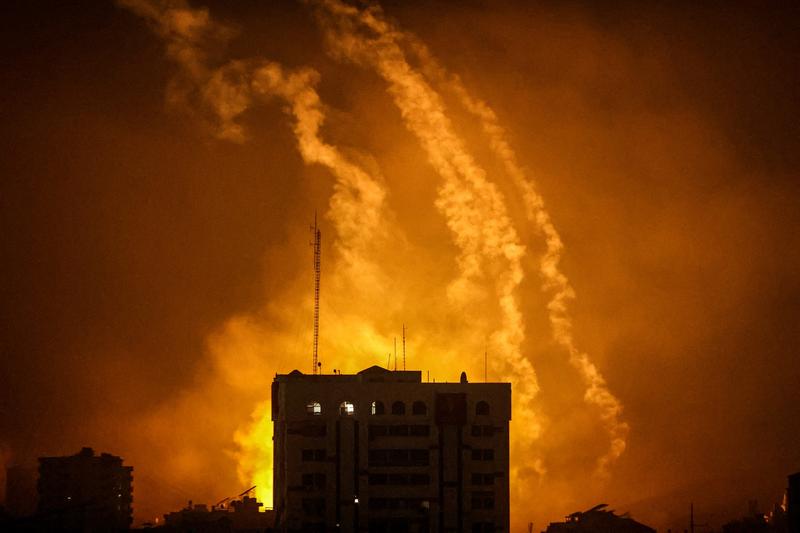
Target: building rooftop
{"points": [[372, 374]]}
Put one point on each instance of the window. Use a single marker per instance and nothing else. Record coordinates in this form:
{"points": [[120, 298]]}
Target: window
{"points": [[378, 457], [377, 479], [314, 408], [314, 506], [420, 457], [399, 458], [482, 455], [314, 481], [399, 479], [483, 527], [419, 408], [482, 408], [482, 431], [482, 500], [377, 408], [380, 504], [482, 479], [313, 455], [347, 409], [398, 408], [377, 430], [307, 428], [398, 431], [418, 430], [419, 479]]}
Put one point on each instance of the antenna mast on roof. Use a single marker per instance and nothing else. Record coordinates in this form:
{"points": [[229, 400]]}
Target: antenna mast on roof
{"points": [[486, 361], [395, 353], [317, 270], [404, 346]]}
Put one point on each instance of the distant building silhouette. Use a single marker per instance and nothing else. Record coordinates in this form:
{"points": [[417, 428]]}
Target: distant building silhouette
{"points": [[793, 503], [382, 451], [85, 492], [237, 516], [21, 494], [598, 520], [753, 523], [757, 522]]}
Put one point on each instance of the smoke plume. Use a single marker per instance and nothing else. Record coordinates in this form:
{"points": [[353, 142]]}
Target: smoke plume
{"points": [[485, 294], [554, 281], [219, 96], [474, 209], [386, 53], [223, 94]]}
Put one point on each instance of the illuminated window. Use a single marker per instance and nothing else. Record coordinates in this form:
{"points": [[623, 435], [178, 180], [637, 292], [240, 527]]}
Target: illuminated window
{"points": [[347, 408], [377, 408], [314, 408]]}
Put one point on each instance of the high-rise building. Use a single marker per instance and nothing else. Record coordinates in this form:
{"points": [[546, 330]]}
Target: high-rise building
{"points": [[85, 492], [384, 451]]}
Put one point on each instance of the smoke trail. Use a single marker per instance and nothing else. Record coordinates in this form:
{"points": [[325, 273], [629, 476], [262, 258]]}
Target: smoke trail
{"points": [[221, 95], [474, 209], [218, 97], [554, 281]]}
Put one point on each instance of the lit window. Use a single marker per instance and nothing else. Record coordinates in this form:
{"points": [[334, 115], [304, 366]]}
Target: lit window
{"points": [[377, 408], [347, 408], [314, 408]]}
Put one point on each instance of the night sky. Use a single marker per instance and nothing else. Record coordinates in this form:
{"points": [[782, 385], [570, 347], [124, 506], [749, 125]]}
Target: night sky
{"points": [[156, 271]]}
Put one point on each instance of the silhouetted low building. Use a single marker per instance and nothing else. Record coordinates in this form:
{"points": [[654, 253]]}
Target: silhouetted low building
{"points": [[598, 519], [239, 516], [20, 491], [85, 492], [754, 523]]}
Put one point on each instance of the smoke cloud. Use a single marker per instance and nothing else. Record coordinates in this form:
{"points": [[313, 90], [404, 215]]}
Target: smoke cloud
{"points": [[412, 93], [490, 252], [223, 94], [474, 209], [157, 272], [554, 281]]}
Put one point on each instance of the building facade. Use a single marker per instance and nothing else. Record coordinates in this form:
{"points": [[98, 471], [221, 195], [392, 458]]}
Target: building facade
{"points": [[85, 492], [384, 451]]}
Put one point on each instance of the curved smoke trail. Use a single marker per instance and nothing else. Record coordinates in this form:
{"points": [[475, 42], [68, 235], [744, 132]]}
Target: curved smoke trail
{"points": [[554, 281], [221, 95], [474, 208]]}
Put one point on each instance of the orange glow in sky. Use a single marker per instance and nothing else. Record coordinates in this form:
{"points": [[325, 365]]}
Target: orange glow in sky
{"points": [[603, 201]]}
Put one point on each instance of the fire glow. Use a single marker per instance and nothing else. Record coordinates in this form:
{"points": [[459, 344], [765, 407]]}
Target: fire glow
{"points": [[466, 307]]}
